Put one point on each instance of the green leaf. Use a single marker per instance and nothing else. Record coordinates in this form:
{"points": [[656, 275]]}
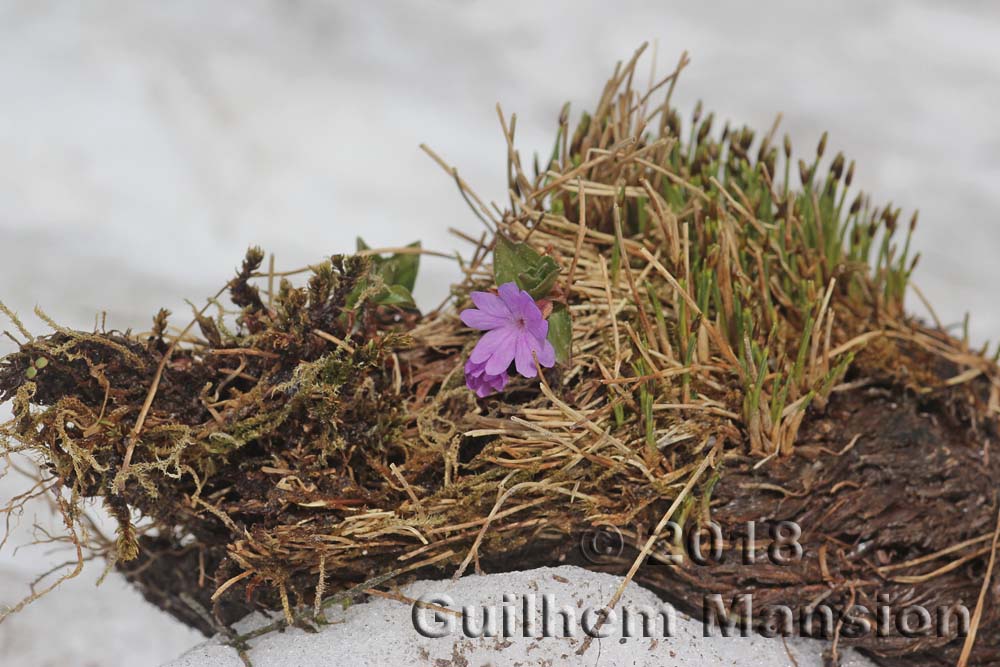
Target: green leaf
{"points": [[387, 269], [616, 262], [643, 214], [352, 297], [406, 267], [395, 295], [512, 259], [538, 281], [561, 331], [519, 263], [400, 269]]}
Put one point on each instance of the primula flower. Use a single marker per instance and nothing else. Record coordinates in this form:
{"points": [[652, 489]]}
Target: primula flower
{"points": [[515, 331], [481, 382]]}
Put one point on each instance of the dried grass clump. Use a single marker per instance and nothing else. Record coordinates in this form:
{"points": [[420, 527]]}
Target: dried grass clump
{"points": [[317, 440]]}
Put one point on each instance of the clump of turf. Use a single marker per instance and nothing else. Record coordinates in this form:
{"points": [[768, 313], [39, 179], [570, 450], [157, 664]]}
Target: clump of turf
{"points": [[738, 350]]}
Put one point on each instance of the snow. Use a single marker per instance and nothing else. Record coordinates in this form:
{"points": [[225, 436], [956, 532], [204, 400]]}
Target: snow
{"points": [[383, 632]]}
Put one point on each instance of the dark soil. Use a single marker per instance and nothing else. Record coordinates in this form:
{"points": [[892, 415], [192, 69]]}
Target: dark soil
{"points": [[916, 482]]}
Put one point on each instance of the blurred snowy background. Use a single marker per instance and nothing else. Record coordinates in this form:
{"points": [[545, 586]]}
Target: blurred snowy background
{"points": [[145, 145]]}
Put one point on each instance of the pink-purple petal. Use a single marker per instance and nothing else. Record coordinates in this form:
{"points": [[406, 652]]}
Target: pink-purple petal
{"points": [[497, 382], [526, 308], [479, 381], [482, 320], [539, 329], [490, 343], [503, 354], [509, 293], [523, 359], [547, 355], [490, 303]]}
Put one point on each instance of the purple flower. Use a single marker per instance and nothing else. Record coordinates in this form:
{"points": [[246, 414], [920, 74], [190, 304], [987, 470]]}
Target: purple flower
{"points": [[515, 331], [481, 382]]}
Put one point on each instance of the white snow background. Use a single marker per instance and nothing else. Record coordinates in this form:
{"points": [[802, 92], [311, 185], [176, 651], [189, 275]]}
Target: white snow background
{"points": [[144, 145]]}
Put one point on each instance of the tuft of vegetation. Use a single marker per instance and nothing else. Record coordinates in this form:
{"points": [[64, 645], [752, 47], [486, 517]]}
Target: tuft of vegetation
{"points": [[711, 295]]}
